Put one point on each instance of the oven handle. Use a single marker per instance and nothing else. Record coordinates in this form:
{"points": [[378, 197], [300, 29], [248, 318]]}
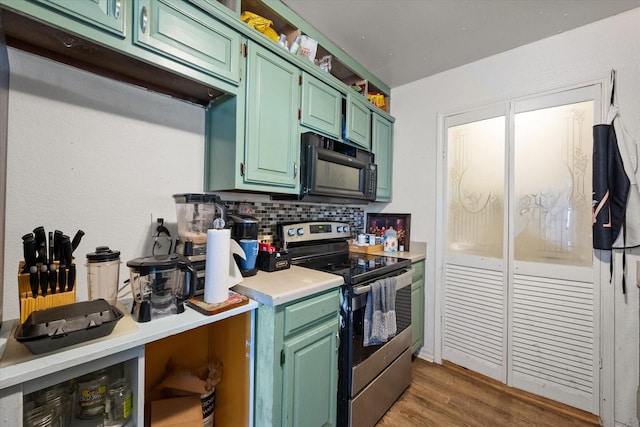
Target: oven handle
{"points": [[402, 280]]}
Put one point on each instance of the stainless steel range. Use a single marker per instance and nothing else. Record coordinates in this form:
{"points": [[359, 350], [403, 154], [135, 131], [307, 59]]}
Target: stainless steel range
{"points": [[370, 378]]}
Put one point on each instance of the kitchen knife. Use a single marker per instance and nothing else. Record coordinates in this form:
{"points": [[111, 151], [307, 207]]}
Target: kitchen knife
{"points": [[29, 249], [33, 280], [41, 244], [44, 279], [51, 248], [57, 237], [66, 250], [76, 240], [71, 277], [62, 277], [65, 262], [53, 278]]}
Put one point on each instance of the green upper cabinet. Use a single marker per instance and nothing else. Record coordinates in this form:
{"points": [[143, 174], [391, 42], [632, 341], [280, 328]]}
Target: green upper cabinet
{"points": [[106, 15], [358, 129], [272, 147], [382, 147], [321, 107], [187, 35]]}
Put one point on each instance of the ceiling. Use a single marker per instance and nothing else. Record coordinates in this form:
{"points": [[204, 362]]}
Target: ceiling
{"points": [[401, 41]]}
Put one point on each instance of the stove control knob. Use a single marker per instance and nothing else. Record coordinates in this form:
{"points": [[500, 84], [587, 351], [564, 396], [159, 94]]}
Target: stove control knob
{"points": [[291, 232], [300, 231], [346, 228], [340, 229]]}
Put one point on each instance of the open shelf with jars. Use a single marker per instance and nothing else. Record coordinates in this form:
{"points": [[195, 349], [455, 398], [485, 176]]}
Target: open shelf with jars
{"points": [[285, 22]]}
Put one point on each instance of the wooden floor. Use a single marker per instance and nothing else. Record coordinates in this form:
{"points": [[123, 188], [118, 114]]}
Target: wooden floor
{"points": [[450, 396]]}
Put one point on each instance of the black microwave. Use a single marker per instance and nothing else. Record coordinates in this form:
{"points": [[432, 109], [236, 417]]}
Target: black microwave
{"points": [[334, 172]]}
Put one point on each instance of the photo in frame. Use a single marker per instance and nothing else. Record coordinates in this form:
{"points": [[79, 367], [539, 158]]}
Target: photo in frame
{"points": [[378, 223]]}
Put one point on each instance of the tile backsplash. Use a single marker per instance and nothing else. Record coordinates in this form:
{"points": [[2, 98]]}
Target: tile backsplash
{"points": [[271, 214]]}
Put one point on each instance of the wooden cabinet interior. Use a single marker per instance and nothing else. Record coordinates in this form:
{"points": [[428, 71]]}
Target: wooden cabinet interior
{"points": [[225, 340]]}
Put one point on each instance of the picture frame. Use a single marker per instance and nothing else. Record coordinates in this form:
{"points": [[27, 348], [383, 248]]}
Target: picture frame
{"points": [[377, 223]]}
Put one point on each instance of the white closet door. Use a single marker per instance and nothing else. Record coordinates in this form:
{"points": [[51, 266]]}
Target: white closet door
{"points": [[553, 309], [474, 321], [520, 300]]}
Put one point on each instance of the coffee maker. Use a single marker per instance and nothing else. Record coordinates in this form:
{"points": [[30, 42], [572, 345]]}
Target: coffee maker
{"points": [[244, 230], [196, 214]]}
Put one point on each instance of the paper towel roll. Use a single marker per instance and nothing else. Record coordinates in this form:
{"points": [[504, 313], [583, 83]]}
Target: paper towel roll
{"points": [[216, 289]]}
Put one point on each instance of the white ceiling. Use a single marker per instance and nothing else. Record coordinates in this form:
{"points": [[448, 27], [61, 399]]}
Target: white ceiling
{"points": [[401, 41]]}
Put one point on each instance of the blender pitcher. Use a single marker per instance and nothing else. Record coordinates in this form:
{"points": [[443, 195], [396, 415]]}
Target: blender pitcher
{"points": [[159, 285]]}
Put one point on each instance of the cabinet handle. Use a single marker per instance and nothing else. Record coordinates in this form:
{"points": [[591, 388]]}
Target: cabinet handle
{"points": [[295, 169], [116, 9], [241, 169], [337, 341], [144, 19]]}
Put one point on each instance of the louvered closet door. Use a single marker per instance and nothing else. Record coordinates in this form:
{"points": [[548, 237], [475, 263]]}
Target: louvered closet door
{"points": [[553, 313], [474, 321], [520, 303]]}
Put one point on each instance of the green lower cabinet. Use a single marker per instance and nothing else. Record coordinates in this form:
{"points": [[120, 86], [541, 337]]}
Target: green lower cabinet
{"points": [[296, 367], [309, 390], [417, 307], [382, 147]]}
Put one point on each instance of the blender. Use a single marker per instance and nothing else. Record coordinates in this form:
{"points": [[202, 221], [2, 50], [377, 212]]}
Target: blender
{"points": [[159, 285]]}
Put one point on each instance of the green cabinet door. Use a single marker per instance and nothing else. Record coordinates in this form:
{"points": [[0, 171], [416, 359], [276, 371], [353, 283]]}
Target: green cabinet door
{"points": [[106, 15], [382, 147], [321, 107], [189, 36], [417, 307], [296, 362], [310, 374], [272, 146], [358, 129]]}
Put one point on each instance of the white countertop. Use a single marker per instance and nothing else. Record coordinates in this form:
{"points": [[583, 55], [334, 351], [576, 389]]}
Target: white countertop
{"points": [[417, 252], [280, 287], [18, 365]]}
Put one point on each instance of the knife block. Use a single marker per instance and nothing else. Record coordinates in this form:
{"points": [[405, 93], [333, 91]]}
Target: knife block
{"points": [[29, 304]]}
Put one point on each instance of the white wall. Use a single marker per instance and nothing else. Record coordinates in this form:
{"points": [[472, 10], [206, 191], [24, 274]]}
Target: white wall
{"points": [[585, 54], [85, 152]]}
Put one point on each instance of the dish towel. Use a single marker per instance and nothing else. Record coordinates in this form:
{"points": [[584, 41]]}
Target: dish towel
{"points": [[380, 312]]}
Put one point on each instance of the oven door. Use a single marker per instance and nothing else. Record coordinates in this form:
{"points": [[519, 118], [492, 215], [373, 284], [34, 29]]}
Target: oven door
{"points": [[368, 362]]}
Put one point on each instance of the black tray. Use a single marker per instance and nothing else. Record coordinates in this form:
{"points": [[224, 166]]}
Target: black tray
{"points": [[65, 325]]}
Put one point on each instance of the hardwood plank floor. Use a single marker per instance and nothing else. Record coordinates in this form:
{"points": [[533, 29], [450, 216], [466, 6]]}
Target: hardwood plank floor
{"points": [[450, 396]]}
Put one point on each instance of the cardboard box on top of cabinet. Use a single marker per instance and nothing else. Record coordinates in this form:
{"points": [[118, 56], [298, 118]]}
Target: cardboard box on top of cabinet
{"points": [[183, 411]]}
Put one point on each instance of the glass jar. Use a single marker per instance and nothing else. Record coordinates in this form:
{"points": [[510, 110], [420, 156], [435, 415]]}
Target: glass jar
{"points": [[41, 416], [117, 409], [91, 394]]}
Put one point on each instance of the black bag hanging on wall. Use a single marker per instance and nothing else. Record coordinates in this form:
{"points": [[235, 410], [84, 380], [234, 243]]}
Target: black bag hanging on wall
{"points": [[610, 187]]}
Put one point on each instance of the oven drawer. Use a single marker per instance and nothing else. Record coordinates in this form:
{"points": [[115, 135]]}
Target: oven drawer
{"points": [[301, 314]]}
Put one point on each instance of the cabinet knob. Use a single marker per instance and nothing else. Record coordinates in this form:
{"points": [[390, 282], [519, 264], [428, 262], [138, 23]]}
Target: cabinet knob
{"points": [[144, 19]]}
